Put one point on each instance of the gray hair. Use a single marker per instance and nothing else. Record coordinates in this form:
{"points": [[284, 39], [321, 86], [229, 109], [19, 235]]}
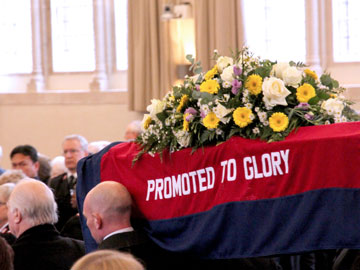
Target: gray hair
{"points": [[35, 201], [12, 176], [83, 142], [5, 191], [136, 126]]}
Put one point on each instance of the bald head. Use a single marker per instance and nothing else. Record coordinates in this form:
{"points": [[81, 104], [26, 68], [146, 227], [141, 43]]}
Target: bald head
{"points": [[107, 208], [31, 203]]}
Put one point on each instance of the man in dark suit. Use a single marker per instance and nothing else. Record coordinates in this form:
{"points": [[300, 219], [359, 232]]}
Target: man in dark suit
{"points": [[32, 213], [74, 149], [107, 209]]}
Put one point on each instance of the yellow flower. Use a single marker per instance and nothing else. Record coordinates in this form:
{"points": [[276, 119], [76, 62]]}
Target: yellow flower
{"points": [[278, 121], [333, 95], [172, 98], [254, 84], [305, 92], [186, 123], [183, 101], [147, 122], [211, 73], [211, 121], [311, 73], [242, 116], [210, 86]]}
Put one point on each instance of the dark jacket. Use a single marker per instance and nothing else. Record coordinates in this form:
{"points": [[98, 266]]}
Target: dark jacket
{"points": [[61, 189], [42, 248]]}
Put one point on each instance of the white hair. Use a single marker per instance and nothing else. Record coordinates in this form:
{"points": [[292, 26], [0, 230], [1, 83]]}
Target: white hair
{"points": [[83, 142], [136, 126], [5, 191], [58, 166], [35, 201], [97, 146]]}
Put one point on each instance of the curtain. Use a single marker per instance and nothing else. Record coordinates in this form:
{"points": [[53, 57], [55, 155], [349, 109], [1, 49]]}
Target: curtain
{"points": [[218, 25], [151, 69]]}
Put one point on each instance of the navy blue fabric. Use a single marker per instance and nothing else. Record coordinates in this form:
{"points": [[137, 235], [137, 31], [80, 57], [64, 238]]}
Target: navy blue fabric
{"points": [[315, 220], [88, 170]]}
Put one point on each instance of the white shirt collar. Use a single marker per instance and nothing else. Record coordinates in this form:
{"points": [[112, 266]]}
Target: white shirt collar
{"points": [[128, 229], [71, 174]]}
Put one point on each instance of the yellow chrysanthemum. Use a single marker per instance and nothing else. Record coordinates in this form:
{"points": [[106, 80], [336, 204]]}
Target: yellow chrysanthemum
{"points": [[185, 123], [211, 73], [242, 116], [305, 92], [333, 95], [254, 84], [311, 73], [147, 122], [278, 121], [211, 121], [210, 86], [184, 99]]}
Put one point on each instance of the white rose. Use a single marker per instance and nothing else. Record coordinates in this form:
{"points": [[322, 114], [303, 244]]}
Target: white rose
{"points": [[228, 74], [292, 76], [183, 138], [221, 111], [274, 92], [333, 106], [277, 69], [155, 107], [224, 61]]}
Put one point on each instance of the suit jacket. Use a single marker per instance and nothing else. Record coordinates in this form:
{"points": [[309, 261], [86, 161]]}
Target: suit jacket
{"points": [[61, 189], [153, 257], [42, 248]]}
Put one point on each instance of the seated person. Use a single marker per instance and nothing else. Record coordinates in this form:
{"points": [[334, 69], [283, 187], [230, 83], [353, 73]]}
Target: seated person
{"points": [[32, 213]]}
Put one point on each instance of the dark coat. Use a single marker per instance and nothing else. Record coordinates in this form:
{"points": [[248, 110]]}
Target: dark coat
{"points": [[42, 248], [61, 189], [153, 257]]}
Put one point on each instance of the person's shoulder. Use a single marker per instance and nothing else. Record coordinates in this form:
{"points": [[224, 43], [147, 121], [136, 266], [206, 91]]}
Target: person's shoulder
{"points": [[55, 180]]}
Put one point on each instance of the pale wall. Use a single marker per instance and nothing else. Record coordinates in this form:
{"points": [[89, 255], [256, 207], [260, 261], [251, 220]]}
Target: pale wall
{"points": [[45, 126]]}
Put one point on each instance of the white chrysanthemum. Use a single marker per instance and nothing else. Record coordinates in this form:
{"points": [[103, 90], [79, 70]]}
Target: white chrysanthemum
{"points": [[333, 106], [226, 84], [248, 105], [256, 130]]}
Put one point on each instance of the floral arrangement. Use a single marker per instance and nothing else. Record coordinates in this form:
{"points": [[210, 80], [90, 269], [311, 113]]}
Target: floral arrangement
{"points": [[245, 96]]}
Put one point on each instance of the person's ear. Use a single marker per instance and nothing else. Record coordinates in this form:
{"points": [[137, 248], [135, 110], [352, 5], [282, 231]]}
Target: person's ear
{"points": [[17, 216], [37, 165], [97, 221]]}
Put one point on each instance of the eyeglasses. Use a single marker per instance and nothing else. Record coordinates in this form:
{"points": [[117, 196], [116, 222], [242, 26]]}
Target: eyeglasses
{"points": [[71, 151]]}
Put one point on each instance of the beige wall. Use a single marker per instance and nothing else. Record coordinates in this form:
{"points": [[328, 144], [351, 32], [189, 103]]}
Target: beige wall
{"points": [[44, 126]]}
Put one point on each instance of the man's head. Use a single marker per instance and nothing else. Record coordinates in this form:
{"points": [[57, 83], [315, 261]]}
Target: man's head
{"points": [[25, 158], [107, 208], [133, 130], [74, 149], [5, 191], [31, 203]]}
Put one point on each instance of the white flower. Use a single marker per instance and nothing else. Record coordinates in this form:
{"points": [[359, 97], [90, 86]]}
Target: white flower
{"points": [[228, 74], [155, 107], [292, 76], [226, 84], [194, 78], [248, 105], [274, 92], [277, 69], [220, 112], [224, 61], [183, 138], [256, 130], [333, 106]]}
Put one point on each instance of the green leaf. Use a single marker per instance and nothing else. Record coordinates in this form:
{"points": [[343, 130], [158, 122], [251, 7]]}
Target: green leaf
{"points": [[190, 58], [314, 100], [326, 80], [197, 70], [162, 116]]}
